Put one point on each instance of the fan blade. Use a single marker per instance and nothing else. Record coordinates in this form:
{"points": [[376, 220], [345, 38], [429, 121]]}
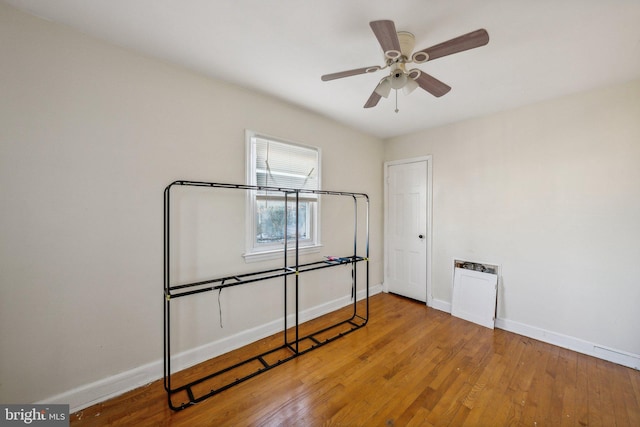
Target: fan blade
{"points": [[387, 36], [349, 73], [373, 100], [464, 42], [432, 85]]}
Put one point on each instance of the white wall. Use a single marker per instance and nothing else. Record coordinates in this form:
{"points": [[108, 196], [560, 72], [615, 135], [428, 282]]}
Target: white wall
{"points": [[552, 193], [90, 134]]}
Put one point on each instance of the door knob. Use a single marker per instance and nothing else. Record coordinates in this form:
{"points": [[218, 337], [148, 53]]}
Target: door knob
{"points": [[420, 236]]}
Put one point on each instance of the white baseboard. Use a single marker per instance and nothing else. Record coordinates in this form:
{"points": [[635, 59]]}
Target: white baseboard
{"points": [[438, 304], [107, 388], [620, 357]]}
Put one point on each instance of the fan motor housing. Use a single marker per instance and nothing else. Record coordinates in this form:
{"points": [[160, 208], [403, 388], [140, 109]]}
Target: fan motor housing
{"points": [[407, 43]]}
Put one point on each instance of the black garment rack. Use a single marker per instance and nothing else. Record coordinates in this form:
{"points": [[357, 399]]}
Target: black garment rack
{"points": [[197, 390]]}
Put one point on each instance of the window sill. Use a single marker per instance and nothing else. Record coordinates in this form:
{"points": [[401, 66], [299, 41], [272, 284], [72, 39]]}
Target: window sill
{"points": [[277, 253]]}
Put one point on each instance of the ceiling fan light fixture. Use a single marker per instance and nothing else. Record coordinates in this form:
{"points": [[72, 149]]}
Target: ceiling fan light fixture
{"points": [[384, 88], [398, 79], [410, 86]]}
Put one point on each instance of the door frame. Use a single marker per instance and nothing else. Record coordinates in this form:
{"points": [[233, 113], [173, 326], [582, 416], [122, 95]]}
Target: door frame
{"points": [[429, 162]]}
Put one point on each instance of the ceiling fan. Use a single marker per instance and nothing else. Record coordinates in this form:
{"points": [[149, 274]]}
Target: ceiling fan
{"points": [[398, 47]]}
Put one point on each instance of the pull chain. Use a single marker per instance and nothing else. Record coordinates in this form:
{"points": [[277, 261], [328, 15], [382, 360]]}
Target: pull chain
{"points": [[397, 101]]}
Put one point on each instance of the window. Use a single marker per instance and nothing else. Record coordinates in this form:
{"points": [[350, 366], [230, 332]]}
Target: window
{"points": [[275, 163]]}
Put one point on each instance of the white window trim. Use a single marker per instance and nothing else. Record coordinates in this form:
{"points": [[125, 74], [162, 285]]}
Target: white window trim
{"points": [[255, 254]]}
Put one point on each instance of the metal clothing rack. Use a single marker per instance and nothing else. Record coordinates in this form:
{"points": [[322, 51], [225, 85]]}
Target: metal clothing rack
{"points": [[191, 392]]}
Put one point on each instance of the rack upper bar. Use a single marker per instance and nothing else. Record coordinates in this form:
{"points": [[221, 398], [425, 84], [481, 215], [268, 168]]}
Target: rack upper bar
{"points": [[264, 188]]}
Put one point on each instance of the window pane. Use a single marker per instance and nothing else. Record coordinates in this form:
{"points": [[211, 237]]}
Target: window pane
{"points": [[285, 165], [280, 164], [270, 221]]}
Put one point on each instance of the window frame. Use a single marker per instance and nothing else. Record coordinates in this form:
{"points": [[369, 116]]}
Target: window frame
{"points": [[255, 251]]}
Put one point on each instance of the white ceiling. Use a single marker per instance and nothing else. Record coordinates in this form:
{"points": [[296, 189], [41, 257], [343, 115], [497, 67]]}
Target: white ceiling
{"points": [[537, 49]]}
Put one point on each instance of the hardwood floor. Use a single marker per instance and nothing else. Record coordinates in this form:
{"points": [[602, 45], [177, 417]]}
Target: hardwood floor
{"points": [[410, 366]]}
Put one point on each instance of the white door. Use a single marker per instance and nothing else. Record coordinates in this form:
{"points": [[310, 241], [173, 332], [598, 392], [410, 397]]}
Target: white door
{"points": [[406, 229]]}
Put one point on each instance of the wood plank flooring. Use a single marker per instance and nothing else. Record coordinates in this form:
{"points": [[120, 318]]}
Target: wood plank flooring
{"points": [[410, 366]]}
